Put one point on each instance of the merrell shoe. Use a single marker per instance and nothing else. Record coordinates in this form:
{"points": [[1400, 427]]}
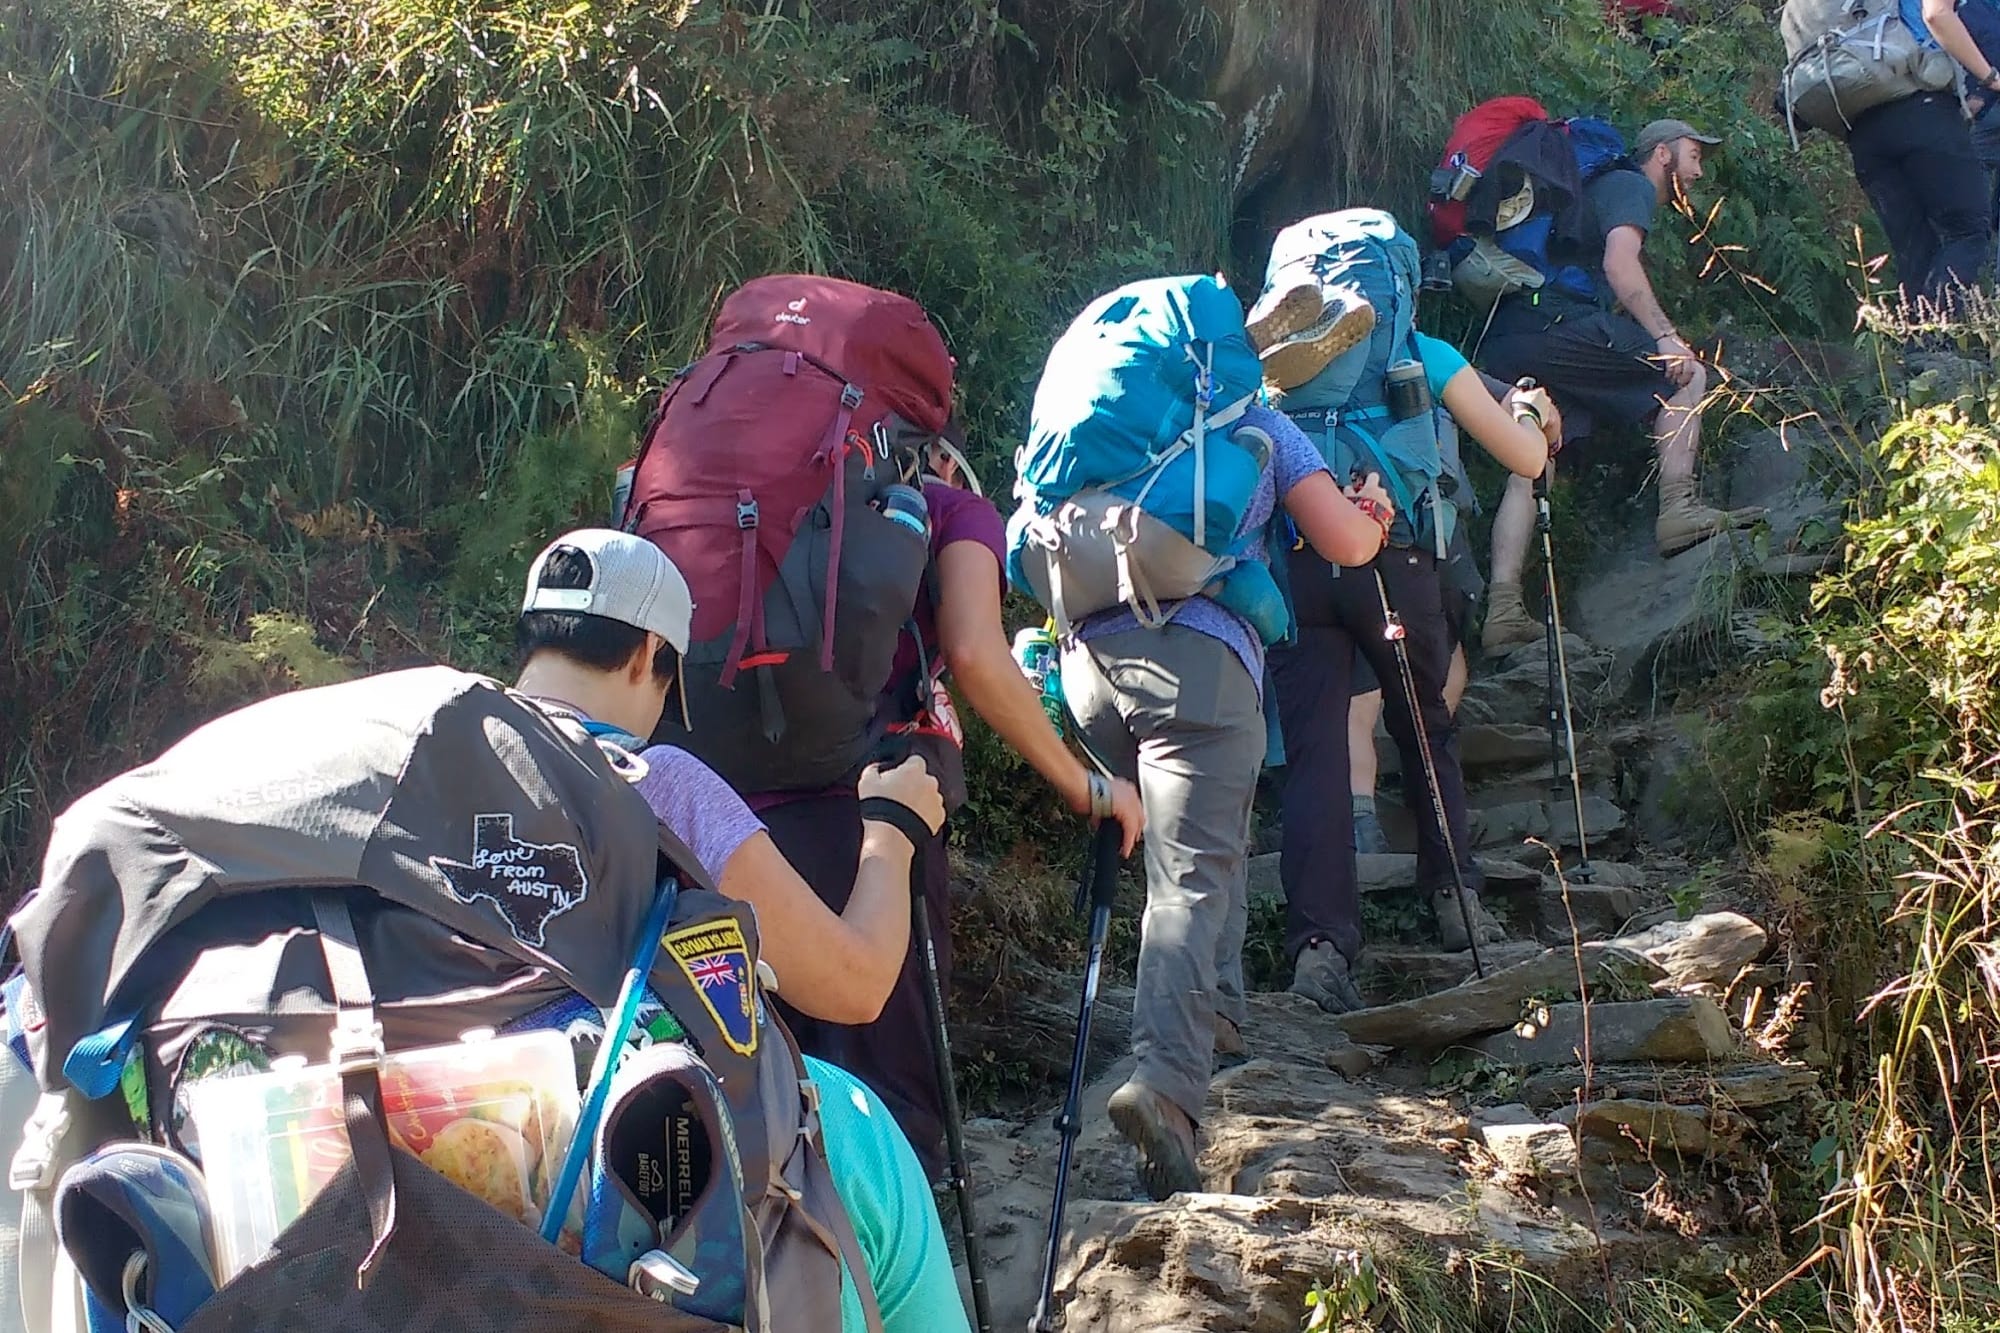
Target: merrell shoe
{"points": [[1348, 318], [1164, 1137], [1451, 921], [1686, 522], [1323, 976], [1508, 625], [1282, 312], [1369, 839]]}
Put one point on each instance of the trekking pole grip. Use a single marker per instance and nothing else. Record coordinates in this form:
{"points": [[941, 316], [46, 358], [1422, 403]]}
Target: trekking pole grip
{"points": [[1102, 879]]}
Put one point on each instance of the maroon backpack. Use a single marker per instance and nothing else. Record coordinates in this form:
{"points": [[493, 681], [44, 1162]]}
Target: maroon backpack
{"points": [[761, 477]]}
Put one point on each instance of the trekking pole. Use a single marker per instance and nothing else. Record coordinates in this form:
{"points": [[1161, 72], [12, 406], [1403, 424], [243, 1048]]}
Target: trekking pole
{"points": [[954, 1122], [1395, 632], [1098, 886], [1558, 669]]}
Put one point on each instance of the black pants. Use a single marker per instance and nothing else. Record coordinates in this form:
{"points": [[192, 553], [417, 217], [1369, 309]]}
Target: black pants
{"points": [[1339, 618], [1915, 162], [821, 837]]}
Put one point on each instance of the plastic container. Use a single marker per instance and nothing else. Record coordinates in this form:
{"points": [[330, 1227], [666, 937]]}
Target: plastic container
{"points": [[491, 1114]]}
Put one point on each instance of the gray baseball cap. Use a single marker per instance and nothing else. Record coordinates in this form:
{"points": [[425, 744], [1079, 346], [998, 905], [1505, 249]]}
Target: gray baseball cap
{"points": [[1667, 131], [631, 581]]}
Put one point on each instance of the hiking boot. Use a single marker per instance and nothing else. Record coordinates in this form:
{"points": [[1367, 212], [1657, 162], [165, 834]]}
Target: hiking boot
{"points": [[1323, 976], [1164, 1137], [1369, 839], [1348, 319], [1282, 312], [1686, 522], [1228, 1038], [1451, 923], [1508, 625]]}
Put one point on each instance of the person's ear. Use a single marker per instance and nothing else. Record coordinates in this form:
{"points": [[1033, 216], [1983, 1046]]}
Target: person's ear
{"points": [[639, 667]]}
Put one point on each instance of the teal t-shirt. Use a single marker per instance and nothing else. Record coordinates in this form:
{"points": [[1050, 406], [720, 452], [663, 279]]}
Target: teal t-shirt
{"points": [[889, 1202], [1441, 361]]}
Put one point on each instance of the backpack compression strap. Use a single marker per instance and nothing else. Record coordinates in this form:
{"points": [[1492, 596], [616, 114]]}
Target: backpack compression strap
{"points": [[357, 1054]]}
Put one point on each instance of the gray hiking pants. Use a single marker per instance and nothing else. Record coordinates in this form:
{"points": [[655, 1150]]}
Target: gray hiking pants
{"points": [[1174, 710]]}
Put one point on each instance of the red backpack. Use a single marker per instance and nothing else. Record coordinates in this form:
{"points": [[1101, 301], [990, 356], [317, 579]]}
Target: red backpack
{"points": [[761, 477], [1475, 137]]}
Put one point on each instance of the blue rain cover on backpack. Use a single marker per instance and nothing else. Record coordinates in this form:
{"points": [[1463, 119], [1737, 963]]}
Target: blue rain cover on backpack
{"points": [[1597, 144], [1344, 409], [1140, 400], [1125, 383]]}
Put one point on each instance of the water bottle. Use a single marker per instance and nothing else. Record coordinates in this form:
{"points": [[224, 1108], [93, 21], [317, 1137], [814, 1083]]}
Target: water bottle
{"points": [[906, 505], [1407, 390], [1040, 661], [621, 492]]}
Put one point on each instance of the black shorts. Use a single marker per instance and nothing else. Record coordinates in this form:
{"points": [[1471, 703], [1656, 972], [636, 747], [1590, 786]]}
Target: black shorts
{"points": [[1595, 364], [1463, 587]]}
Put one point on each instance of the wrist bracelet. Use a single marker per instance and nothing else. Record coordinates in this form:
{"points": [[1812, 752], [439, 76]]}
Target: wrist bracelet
{"points": [[884, 810], [1373, 509], [1100, 795]]}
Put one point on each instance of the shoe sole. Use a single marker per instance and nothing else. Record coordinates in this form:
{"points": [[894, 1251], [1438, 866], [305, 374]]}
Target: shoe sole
{"points": [[1296, 361], [1295, 312], [1165, 1168]]}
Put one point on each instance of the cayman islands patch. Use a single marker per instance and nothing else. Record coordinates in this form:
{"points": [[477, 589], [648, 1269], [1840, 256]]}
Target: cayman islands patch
{"points": [[717, 962]]}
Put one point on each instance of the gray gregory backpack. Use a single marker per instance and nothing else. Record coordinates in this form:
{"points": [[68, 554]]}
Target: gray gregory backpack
{"points": [[1847, 57], [412, 855]]}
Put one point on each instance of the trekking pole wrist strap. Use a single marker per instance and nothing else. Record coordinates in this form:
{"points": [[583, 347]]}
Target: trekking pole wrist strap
{"points": [[884, 810]]}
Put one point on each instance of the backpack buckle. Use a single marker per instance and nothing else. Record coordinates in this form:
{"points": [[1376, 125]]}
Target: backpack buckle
{"points": [[356, 1045], [34, 1164], [850, 397], [746, 514]]}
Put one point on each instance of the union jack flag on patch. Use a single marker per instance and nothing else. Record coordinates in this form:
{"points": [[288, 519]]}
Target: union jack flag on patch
{"points": [[716, 961]]}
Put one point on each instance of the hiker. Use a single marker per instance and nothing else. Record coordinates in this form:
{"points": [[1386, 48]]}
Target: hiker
{"points": [[1162, 664], [1388, 404], [480, 862], [798, 677], [1969, 31], [1871, 73], [955, 631], [1463, 588], [1618, 358], [602, 630]]}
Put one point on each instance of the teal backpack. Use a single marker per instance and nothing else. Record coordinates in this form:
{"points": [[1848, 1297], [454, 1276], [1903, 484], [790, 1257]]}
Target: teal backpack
{"points": [[1345, 409], [1137, 473]]}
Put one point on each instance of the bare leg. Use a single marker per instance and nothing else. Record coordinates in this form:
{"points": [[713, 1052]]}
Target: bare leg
{"points": [[1454, 680], [1513, 526], [1363, 712]]}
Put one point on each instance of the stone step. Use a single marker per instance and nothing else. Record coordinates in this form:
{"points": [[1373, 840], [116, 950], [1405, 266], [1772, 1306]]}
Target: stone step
{"points": [[1389, 973], [1749, 1087], [1508, 824], [1515, 690], [1485, 748], [1494, 1002], [1600, 910], [1396, 872], [1671, 1028], [1709, 949]]}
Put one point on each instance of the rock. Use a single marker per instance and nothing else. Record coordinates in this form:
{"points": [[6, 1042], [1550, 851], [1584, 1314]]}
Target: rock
{"points": [[1387, 974], [1676, 1027], [1487, 1005], [1745, 1087], [1602, 821], [1392, 872], [1601, 910], [1509, 1113], [1346, 1058], [1608, 874], [1654, 1127], [1516, 692], [1538, 1151], [1710, 948]]}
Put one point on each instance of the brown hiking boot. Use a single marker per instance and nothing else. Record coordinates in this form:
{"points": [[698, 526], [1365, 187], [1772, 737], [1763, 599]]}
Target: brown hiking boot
{"points": [[1451, 921], [1164, 1137], [1346, 320], [1282, 312], [1508, 625], [1686, 522]]}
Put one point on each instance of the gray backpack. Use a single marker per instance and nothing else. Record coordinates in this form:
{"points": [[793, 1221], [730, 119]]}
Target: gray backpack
{"points": [[412, 855], [1847, 57]]}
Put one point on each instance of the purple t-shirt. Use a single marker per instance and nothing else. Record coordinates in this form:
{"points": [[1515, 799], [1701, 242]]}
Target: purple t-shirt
{"points": [[697, 806], [1293, 458]]}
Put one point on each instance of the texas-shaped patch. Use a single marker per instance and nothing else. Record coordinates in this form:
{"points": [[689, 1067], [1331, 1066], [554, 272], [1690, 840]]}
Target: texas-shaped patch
{"points": [[717, 963], [530, 883]]}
